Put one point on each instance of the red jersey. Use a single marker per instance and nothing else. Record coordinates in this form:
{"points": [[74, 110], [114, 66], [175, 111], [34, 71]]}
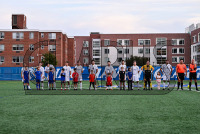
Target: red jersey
{"points": [[193, 68], [109, 81], [92, 77], [75, 77]]}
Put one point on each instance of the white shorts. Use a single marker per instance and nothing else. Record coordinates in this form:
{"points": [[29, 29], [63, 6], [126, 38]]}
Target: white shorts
{"points": [[166, 77], [42, 78], [135, 78], [80, 78], [67, 78]]}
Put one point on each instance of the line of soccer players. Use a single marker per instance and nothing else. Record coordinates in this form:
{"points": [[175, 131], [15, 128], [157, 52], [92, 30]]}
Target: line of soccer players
{"points": [[132, 75]]}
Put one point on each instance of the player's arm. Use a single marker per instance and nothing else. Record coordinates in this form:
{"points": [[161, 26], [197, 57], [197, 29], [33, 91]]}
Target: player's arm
{"points": [[185, 70], [171, 70], [96, 70], [21, 75], [119, 76], [161, 71]]}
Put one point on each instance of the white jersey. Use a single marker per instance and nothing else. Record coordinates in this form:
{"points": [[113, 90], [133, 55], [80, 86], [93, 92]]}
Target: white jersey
{"points": [[135, 69], [46, 69], [94, 68], [79, 69], [109, 69], [166, 69], [121, 67], [42, 70], [67, 70]]}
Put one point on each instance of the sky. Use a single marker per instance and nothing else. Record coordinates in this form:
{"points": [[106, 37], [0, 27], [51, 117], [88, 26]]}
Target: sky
{"points": [[80, 17]]}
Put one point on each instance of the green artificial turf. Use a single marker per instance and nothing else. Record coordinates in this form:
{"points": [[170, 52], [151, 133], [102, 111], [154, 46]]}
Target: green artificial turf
{"points": [[175, 112]]}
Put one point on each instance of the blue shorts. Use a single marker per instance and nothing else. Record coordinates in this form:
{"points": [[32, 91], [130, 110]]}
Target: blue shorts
{"points": [[51, 81], [62, 81], [26, 81], [37, 80]]}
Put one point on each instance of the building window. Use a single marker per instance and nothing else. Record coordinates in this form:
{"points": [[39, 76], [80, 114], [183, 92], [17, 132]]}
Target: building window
{"points": [[144, 42], [174, 50], [120, 51], [85, 43], [31, 59], [126, 51], [42, 35], [161, 51], [106, 51], [18, 48], [85, 52], [178, 41], [96, 52], [85, 60], [97, 61], [31, 47], [17, 59], [52, 35], [123, 42], [181, 50], [126, 42], [140, 50], [42, 46], [18, 35], [52, 47], [2, 35], [194, 39], [96, 43], [174, 60], [42, 58], [147, 50], [1, 47], [199, 37], [161, 41], [14, 20], [1, 59], [106, 59], [119, 59], [31, 35], [161, 60], [106, 42]]}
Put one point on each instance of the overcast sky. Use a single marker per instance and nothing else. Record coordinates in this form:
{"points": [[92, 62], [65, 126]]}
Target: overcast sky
{"points": [[80, 17]]}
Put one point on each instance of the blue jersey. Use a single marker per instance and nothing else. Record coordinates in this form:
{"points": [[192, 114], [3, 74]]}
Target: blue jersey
{"points": [[38, 75], [26, 74], [130, 74], [51, 75], [62, 76]]}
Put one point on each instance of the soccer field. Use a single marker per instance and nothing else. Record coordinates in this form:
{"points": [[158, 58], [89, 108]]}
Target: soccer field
{"points": [[175, 112]]}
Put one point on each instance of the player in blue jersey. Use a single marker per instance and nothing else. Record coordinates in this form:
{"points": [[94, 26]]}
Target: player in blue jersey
{"points": [[38, 75], [51, 78], [26, 77], [62, 74]]}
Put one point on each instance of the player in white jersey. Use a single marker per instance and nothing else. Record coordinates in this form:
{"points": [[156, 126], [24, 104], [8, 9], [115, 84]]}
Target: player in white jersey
{"points": [[67, 69], [95, 70], [166, 70], [124, 69], [79, 70], [42, 78], [22, 74], [109, 69], [135, 70]]}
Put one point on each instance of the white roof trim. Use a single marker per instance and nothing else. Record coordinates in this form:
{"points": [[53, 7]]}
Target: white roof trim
{"points": [[12, 30]]}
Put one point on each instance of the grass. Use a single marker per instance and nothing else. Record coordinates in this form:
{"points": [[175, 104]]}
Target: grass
{"points": [[175, 112]]}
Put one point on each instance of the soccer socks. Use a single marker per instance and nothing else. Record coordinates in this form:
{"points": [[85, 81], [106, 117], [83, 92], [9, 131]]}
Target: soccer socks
{"points": [[164, 85], [182, 85], [54, 84], [27, 87], [196, 85], [190, 85], [138, 85], [145, 84], [178, 85], [81, 85], [167, 84], [42, 85], [24, 87]]}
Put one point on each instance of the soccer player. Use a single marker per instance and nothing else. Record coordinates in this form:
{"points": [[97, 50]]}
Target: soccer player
{"points": [[109, 81], [79, 70], [122, 78], [47, 72], [109, 69], [26, 77], [22, 73], [130, 77], [193, 74], [38, 75], [166, 70], [92, 79], [42, 78], [63, 78], [51, 78], [67, 73], [124, 69], [147, 69], [181, 71], [75, 77], [135, 70], [95, 70]]}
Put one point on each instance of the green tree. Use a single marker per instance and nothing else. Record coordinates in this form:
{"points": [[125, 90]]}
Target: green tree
{"points": [[49, 58], [140, 60]]}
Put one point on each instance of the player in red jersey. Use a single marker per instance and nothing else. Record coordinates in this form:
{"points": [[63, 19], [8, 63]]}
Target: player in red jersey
{"points": [[109, 81], [92, 79], [75, 78]]}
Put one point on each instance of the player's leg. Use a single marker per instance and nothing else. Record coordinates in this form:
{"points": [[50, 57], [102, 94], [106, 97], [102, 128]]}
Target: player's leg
{"points": [[124, 85], [65, 85], [179, 80], [54, 85], [195, 80], [61, 85], [129, 85], [190, 82], [80, 84], [90, 85]]}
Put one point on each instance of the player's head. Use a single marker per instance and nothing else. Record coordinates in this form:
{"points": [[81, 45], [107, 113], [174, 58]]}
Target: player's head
{"points": [[147, 62], [158, 73], [109, 74], [40, 63], [67, 63], [38, 68], [167, 61], [47, 64], [78, 63], [122, 62], [24, 65], [51, 69], [193, 61], [122, 68], [91, 71], [63, 69], [26, 68], [74, 69], [181, 61], [129, 69], [108, 63], [93, 62], [134, 63]]}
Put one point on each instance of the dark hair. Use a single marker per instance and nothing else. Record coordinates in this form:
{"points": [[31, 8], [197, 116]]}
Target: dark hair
{"points": [[122, 60], [47, 64], [129, 68], [78, 61], [67, 61], [108, 61], [74, 68], [50, 68], [63, 69], [92, 60]]}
